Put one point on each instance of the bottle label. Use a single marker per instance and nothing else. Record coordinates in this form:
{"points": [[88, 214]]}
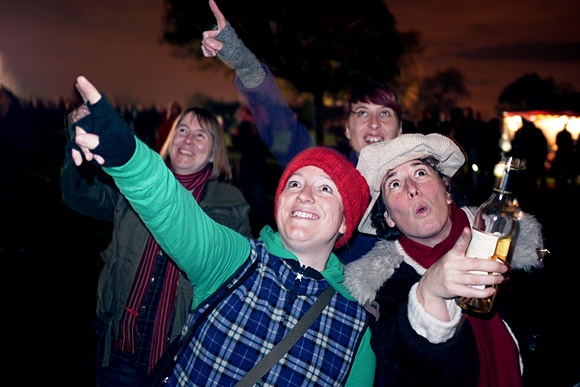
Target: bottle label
{"points": [[482, 246]]}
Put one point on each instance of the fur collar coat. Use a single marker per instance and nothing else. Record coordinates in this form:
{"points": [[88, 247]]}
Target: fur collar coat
{"points": [[365, 276]]}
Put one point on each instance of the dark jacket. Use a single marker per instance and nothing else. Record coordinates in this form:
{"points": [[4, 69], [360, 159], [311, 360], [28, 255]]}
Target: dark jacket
{"points": [[86, 191], [386, 275]]}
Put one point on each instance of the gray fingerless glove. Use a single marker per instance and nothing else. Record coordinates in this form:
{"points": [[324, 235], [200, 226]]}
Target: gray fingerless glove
{"points": [[237, 56]]}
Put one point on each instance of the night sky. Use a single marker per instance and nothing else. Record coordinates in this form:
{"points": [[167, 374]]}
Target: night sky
{"points": [[44, 45]]}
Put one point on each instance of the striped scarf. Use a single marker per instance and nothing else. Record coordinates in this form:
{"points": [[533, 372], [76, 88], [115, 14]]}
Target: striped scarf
{"points": [[126, 340]]}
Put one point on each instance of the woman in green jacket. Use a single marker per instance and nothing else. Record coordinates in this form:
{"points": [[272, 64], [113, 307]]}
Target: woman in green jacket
{"points": [[257, 288]]}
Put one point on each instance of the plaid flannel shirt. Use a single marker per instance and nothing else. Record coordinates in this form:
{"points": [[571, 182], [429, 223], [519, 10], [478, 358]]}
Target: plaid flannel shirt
{"points": [[253, 318]]}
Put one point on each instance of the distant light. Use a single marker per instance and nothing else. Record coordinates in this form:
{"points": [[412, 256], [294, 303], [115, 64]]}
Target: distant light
{"points": [[505, 144], [513, 123], [475, 168], [574, 126], [7, 79], [549, 124], [499, 169]]}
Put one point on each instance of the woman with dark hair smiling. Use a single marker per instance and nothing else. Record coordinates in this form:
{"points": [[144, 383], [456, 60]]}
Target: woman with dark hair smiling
{"points": [[373, 111]]}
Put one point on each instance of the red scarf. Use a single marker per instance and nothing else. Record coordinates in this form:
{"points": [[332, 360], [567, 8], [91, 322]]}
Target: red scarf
{"points": [[195, 183], [498, 354]]}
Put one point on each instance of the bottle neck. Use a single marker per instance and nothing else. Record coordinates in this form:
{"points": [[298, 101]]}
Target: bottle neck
{"points": [[503, 184], [504, 181]]}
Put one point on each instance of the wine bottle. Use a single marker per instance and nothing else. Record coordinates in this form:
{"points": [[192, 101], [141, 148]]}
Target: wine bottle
{"points": [[494, 228]]}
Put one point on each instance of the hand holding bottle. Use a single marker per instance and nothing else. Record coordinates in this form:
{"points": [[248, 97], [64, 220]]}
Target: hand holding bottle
{"points": [[494, 228], [453, 276]]}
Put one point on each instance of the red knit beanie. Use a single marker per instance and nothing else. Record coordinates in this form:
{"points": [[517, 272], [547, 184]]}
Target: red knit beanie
{"points": [[352, 187]]}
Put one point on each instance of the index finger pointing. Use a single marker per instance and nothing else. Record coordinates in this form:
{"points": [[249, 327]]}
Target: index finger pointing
{"points": [[219, 17], [87, 90]]}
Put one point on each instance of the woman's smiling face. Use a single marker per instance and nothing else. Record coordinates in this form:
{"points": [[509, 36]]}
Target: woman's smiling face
{"points": [[191, 147], [310, 210], [369, 123], [417, 202]]}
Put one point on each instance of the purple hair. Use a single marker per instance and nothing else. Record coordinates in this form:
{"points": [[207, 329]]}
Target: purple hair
{"points": [[370, 91]]}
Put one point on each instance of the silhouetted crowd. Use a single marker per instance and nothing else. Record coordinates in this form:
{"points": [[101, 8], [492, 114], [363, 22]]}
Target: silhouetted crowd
{"points": [[32, 142]]}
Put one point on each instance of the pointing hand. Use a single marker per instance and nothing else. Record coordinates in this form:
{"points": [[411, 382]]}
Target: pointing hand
{"points": [[209, 45], [87, 142]]}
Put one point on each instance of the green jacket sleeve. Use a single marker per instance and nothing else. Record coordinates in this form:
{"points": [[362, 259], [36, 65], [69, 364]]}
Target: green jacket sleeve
{"points": [[177, 222]]}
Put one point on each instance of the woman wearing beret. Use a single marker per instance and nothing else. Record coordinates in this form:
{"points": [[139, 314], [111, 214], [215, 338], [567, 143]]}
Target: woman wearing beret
{"points": [[410, 279], [263, 285]]}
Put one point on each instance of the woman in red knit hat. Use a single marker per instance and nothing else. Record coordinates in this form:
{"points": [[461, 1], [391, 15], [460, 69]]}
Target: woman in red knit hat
{"points": [[249, 293], [373, 110]]}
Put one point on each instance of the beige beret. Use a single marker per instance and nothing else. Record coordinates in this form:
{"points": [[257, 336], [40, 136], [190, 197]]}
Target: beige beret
{"points": [[376, 160]]}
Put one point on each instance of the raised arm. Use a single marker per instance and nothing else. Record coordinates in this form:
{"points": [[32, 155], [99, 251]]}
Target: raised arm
{"points": [[86, 189], [277, 123], [207, 251]]}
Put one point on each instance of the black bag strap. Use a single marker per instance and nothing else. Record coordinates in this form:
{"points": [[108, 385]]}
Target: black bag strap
{"points": [[162, 370], [287, 341]]}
